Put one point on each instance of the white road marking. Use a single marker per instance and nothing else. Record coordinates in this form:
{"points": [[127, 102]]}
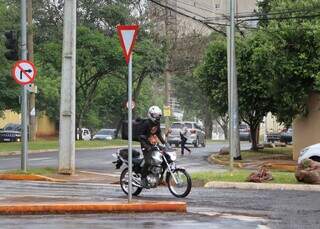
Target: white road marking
{"points": [[41, 159], [116, 174]]}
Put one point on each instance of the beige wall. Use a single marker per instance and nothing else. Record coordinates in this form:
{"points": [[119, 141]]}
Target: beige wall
{"points": [[306, 130], [9, 117], [45, 127]]}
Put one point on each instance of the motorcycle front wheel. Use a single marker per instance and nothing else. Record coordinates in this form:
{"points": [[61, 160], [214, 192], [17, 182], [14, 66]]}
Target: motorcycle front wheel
{"points": [[124, 183], [180, 185]]}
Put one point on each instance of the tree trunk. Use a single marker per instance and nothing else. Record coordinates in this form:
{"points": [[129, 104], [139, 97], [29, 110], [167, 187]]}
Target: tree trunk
{"points": [[79, 120], [119, 125], [254, 137], [208, 125], [223, 123]]}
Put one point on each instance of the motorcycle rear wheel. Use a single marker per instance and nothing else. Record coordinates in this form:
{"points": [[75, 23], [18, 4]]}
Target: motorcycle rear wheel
{"points": [[124, 183], [183, 186]]}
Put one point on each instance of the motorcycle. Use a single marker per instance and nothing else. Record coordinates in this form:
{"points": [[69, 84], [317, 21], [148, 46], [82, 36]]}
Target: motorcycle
{"points": [[162, 168]]}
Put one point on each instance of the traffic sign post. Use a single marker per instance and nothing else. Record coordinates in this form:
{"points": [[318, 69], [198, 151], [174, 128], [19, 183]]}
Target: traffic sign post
{"points": [[24, 73], [128, 35], [133, 105]]}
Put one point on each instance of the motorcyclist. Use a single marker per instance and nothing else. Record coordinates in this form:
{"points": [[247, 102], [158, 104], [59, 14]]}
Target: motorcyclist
{"points": [[150, 136]]}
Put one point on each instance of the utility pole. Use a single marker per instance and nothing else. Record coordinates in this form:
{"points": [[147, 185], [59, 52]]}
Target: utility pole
{"points": [[234, 142], [24, 94], [170, 32], [68, 91], [32, 95]]}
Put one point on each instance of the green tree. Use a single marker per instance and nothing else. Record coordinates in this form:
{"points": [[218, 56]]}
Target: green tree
{"points": [[10, 90], [254, 85], [297, 63]]}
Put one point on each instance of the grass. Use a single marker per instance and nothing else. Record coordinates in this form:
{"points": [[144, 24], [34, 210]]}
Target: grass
{"points": [[266, 153], [241, 176], [54, 144], [38, 171]]}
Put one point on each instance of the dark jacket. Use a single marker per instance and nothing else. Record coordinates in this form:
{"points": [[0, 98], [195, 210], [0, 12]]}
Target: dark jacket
{"points": [[149, 128]]}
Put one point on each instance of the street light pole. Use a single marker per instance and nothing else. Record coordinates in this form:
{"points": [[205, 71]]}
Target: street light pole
{"points": [[24, 95], [68, 91], [233, 89]]}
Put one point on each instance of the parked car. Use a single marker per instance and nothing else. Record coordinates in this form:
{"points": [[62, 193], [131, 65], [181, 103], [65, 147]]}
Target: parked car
{"points": [[85, 133], [311, 152], [11, 133], [273, 137], [173, 137], [244, 132], [105, 134], [286, 136], [195, 134]]}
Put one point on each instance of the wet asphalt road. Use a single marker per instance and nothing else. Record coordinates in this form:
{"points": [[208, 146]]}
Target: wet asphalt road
{"points": [[207, 208], [101, 160]]}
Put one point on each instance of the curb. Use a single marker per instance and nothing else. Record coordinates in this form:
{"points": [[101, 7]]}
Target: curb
{"points": [[14, 153], [214, 160], [260, 186], [278, 166], [94, 207], [28, 177]]}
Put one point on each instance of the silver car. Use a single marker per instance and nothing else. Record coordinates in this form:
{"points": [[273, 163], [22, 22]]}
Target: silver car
{"points": [[105, 134], [195, 134]]}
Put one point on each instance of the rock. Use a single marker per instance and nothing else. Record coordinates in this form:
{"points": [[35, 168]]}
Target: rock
{"points": [[262, 175], [260, 146], [308, 171], [224, 150], [280, 144], [269, 145]]}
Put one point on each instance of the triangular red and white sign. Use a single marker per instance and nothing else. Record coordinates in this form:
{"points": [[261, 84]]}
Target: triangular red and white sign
{"points": [[127, 35]]}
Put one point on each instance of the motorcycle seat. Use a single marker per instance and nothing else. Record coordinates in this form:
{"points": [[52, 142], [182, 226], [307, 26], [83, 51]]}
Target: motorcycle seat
{"points": [[137, 161], [124, 153]]}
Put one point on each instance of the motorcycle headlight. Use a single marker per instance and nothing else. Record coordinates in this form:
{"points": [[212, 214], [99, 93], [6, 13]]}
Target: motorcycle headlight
{"points": [[156, 158], [172, 155]]}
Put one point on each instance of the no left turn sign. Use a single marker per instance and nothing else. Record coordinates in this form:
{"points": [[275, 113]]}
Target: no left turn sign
{"points": [[24, 72]]}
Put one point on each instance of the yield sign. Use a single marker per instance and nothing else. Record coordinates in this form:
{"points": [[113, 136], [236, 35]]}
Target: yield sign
{"points": [[127, 35], [23, 72]]}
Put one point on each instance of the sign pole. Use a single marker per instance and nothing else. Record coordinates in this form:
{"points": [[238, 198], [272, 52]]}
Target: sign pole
{"points": [[130, 127], [127, 35], [24, 100]]}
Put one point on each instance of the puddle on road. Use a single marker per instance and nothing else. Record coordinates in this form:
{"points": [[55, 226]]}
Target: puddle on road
{"points": [[261, 221]]}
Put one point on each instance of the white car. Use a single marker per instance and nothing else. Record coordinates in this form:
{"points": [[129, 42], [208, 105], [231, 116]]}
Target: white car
{"points": [[311, 152], [105, 134]]}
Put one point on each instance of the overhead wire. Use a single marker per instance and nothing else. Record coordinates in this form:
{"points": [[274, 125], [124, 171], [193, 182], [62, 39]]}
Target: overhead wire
{"points": [[188, 16]]}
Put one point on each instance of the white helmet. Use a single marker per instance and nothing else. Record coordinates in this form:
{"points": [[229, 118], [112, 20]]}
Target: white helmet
{"points": [[154, 114]]}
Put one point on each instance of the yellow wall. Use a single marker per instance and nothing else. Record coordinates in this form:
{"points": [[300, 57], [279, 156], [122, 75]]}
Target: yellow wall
{"points": [[9, 117], [306, 130], [45, 127]]}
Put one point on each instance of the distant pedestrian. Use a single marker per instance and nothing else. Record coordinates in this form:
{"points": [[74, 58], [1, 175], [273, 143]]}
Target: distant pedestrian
{"points": [[183, 134]]}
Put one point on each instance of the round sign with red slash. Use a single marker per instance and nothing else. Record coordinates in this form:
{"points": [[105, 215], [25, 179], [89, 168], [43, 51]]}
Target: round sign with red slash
{"points": [[133, 104], [24, 72]]}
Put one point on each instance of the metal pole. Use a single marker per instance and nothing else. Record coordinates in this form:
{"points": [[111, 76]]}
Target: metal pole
{"points": [[167, 94], [234, 115], [32, 96], [130, 127], [68, 91], [229, 98], [24, 95], [235, 144]]}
